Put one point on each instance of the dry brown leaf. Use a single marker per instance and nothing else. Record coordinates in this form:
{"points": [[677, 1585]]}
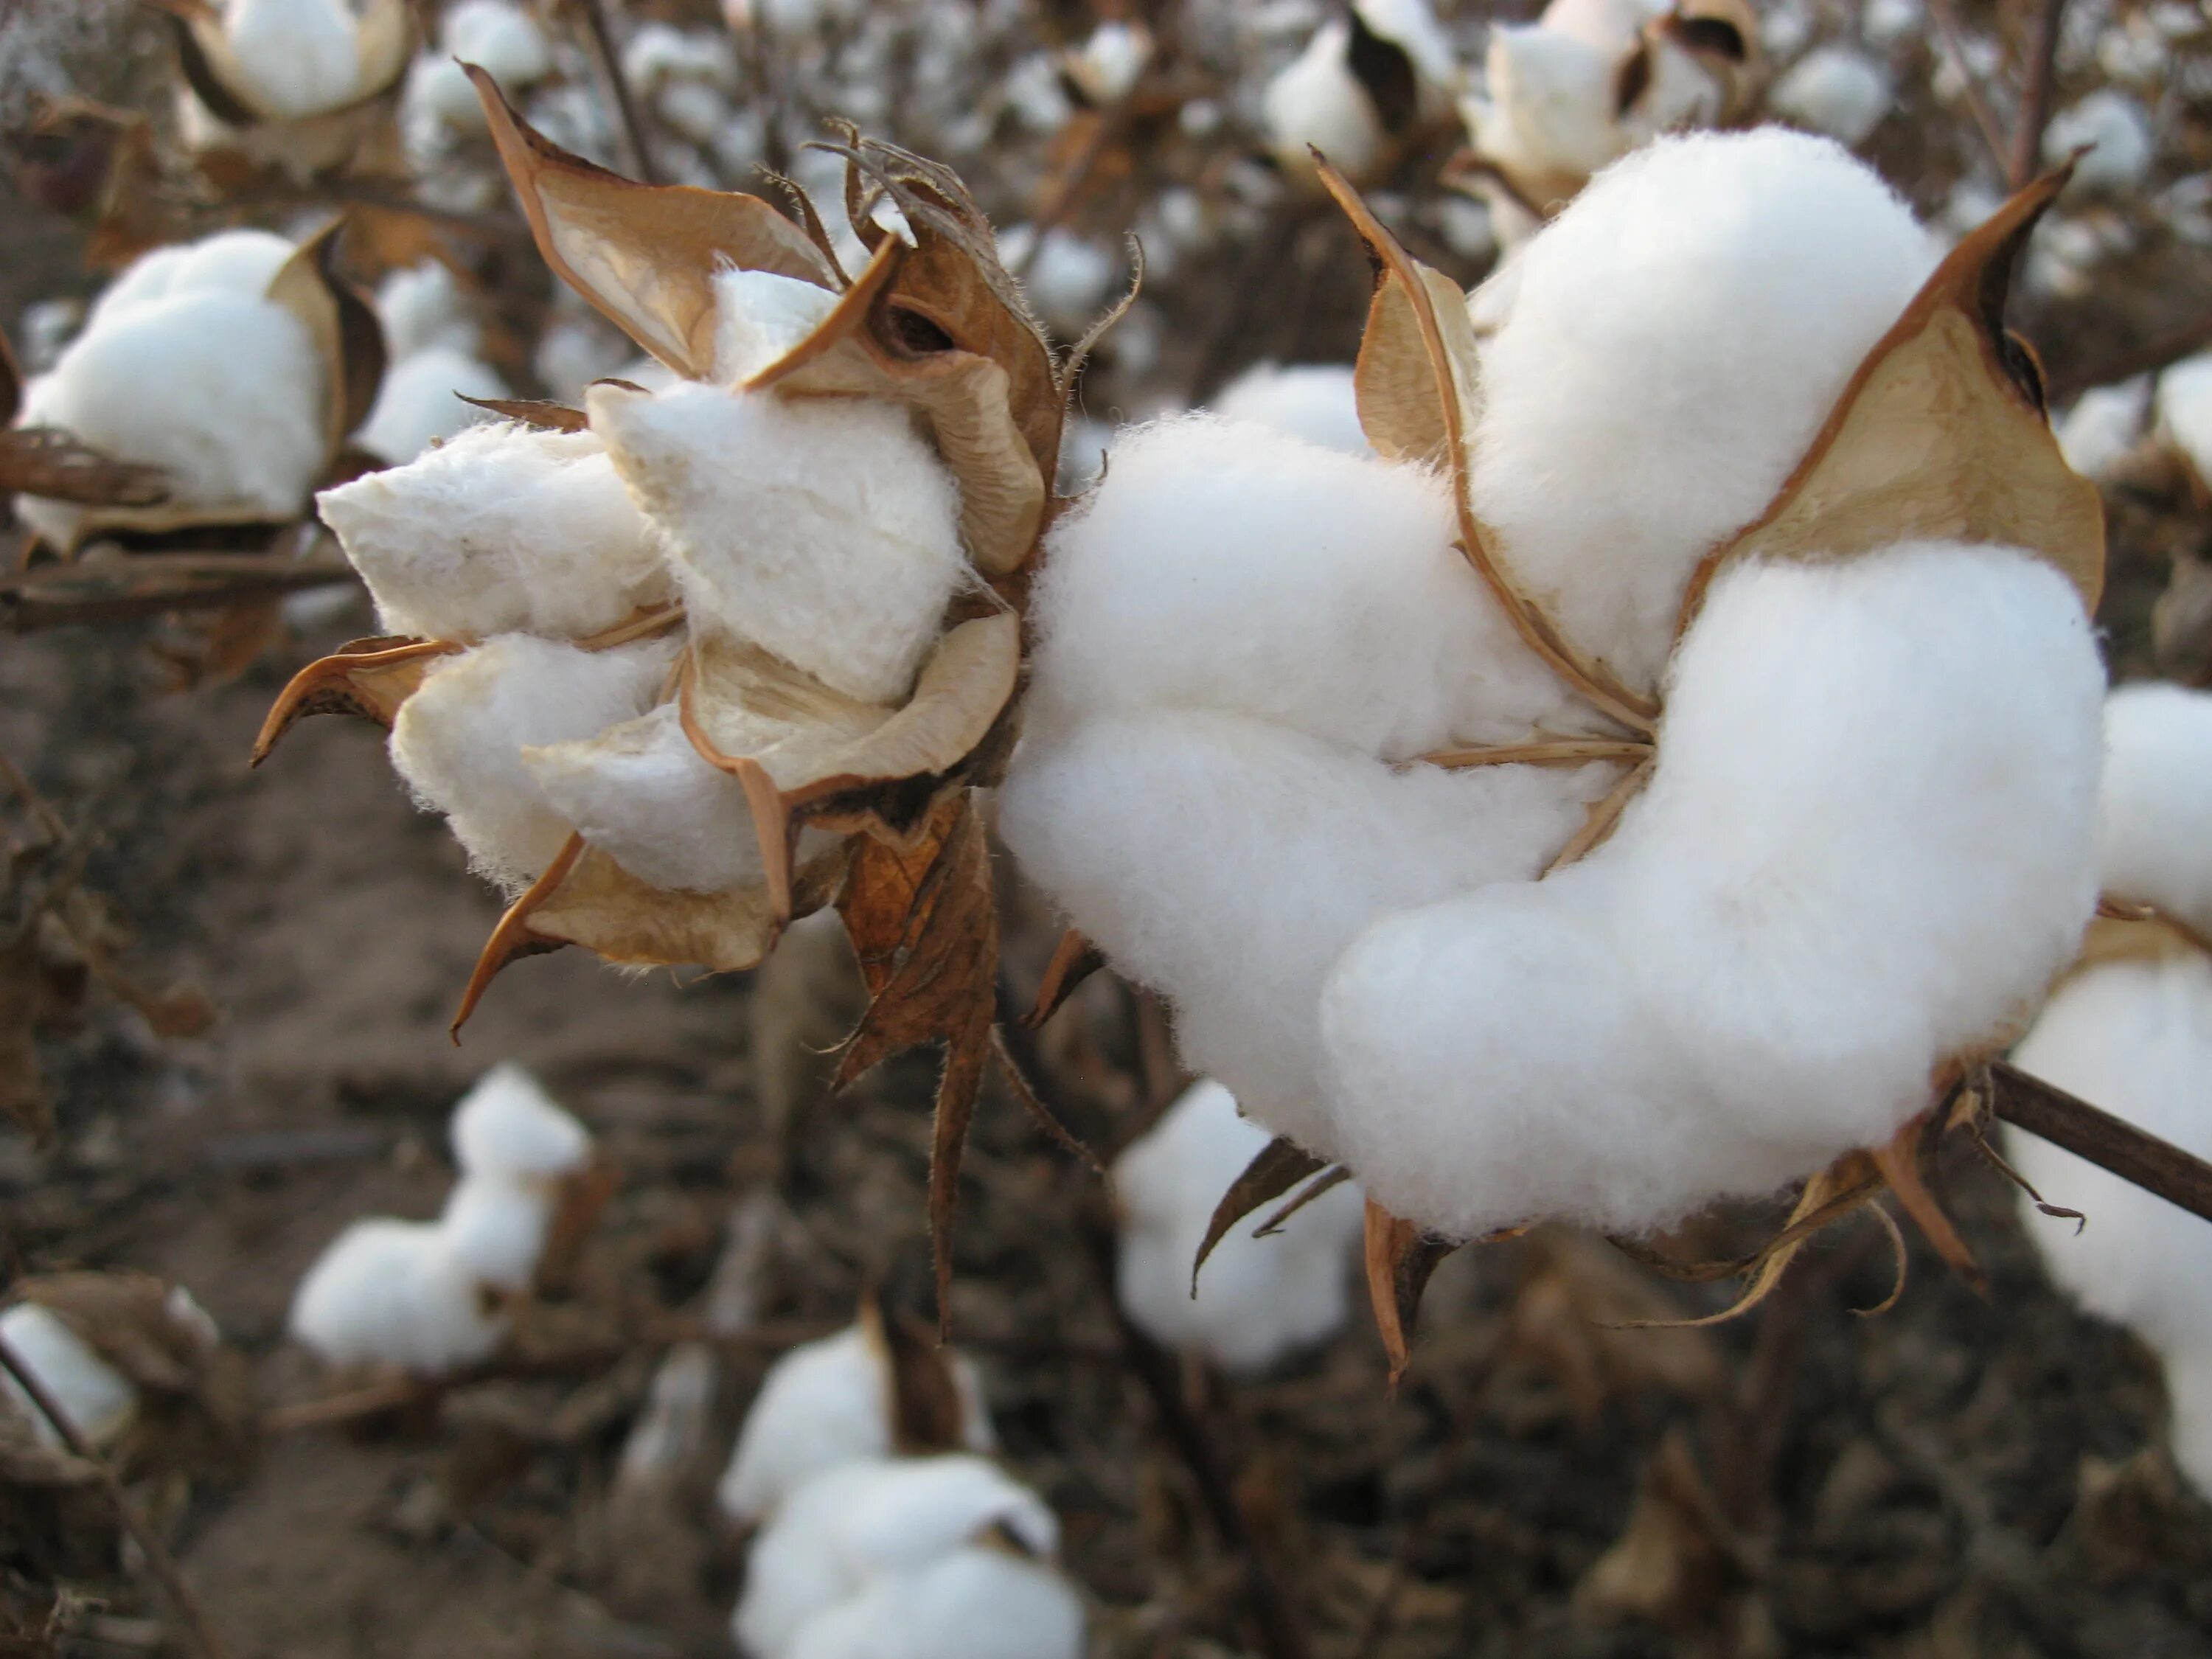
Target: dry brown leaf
{"points": [[369, 677], [646, 255], [1940, 434], [543, 413], [45, 461], [1399, 1258], [1074, 959], [1280, 1165]]}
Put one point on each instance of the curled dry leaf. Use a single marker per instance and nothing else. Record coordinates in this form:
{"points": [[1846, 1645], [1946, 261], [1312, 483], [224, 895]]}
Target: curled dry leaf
{"points": [[1074, 959], [369, 678], [42, 461], [1280, 1165]]}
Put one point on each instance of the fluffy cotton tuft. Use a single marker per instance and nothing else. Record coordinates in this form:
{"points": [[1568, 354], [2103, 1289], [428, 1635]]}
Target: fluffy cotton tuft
{"points": [[504, 38], [1835, 90], [822, 1406], [459, 740], [2104, 428], [2185, 410], [2155, 829], [502, 528], [297, 57], [495, 1229], [824, 529], [392, 1292], [1258, 1298], [1866, 847], [1316, 103], [508, 1126], [1675, 339], [2117, 134], [421, 306], [1313, 401], [759, 317], [99, 1400], [419, 402], [977, 1602]]}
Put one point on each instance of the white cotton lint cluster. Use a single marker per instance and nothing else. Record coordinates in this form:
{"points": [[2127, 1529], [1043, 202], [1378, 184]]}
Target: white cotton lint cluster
{"points": [[421, 306], [502, 528], [1313, 401], [2105, 429], [428, 1296], [99, 1400], [459, 741], [2116, 134], [2184, 409], [502, 38], [419, 402], [1258, 1299], [1836, 90], [1316, 102], [824, 529], [2135, 1038], [927, 1558], [185, 364], [296, 57], [1675, 339], [823, 1406]]}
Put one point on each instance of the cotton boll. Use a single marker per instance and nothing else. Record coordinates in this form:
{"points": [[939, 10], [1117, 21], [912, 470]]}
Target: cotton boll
{"points": [[421, 306], [1258, 1298], [2104, 428], [295, 58], [2185, 410], [99, 1400], [495, 1229], [419, 402], [823, 1405], [1316, 103], [502, 528], [502, 39], [508, 1127], [389, 1292], [760, 317], [437, 100], [824, 529], [2118, 134], [228, 262], [796, 1570], [1866, 847], [1549, 105], [2156, 816], [1411, 27], [1313, 401], [976, 1602], [1227, 862], [1836, 90], [1110, 61], [1677, 337], [1223, 566], [459, 740]]}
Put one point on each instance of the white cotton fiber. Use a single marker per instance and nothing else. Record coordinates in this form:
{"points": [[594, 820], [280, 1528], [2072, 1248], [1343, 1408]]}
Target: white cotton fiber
{"points": [[641, 793], [2116, 133], [508, 1126], [2156, 829], [1677, 337], [99, 1400], [2135, 1038], [228, 262], [1868, 846], [495, 1229], [1316, 103], [977, 1602], [502, 38], [2104, 428], [2184, 408], [296, 57], [390, 1292], [419, 402], [823, 529], [502, 528], [823, 1405], [1836, 90], [459, 740], [1549, 100], [420, 307], [1258, 1298], [759, 317], [1222, 566], [1313, 401]]}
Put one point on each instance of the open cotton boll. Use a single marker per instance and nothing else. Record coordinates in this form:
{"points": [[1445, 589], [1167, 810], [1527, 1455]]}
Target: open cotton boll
{"points": [[99, 1400], [419, 402], [2104, 427], [977, 1602], [1313, 401], [825, 1404], [1411, 27], [759, 317], [2135, 1038], [2185, 410], [508, 1126], [228, 262], [1836, 90], [495, 1228], [459, 741], [1867, 845], [295, 56], [824, 529], [500, 529], [1258, 1298], [391, 1293], [1676, 338], [2155, 818], [1224, 566], [437, 100], [2118, 134], [421, 306], [1316, 103], [1548, 102], [502, 39], [1172, 839]]}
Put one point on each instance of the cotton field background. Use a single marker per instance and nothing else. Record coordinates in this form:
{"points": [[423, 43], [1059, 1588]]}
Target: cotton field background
{"points": [[1322, 830]]}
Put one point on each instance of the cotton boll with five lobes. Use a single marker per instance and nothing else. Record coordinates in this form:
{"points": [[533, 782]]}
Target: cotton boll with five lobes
{"points": [[1257, 1298], [392, 1292], [2184, 411], [502, 528], [99, 1400], [1803, 915], [823, 1405], [2117, 134], [1313, 401], [458, 742], [1834, 90], [977, 1602], [420, 404], [824, 530]]}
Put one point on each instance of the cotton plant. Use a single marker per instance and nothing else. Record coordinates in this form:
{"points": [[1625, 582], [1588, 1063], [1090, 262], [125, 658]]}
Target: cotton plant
{"points": [[1361, 89], [1253, 1300], [299, 85], [2129, 1029], [230, 370], [433, 1296], [1657, 775], [686, 664]]}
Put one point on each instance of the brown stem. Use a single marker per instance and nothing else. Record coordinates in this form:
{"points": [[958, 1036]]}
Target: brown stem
{"points": [[157, 1556], [606, 69], [2161, 351], [2111, 1142], [2036, 93], [1977, 103]]}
